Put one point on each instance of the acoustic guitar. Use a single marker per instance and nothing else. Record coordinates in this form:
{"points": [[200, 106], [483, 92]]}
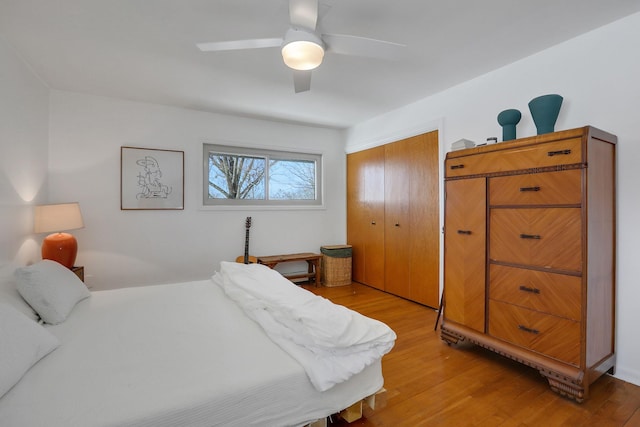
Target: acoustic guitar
{"points": [[246, 258]]}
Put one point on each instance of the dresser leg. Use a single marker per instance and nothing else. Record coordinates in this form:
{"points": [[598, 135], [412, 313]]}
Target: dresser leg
{"points": [[449, 337], [565, 387]]}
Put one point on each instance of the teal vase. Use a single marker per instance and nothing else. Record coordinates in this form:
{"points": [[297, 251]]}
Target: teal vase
{"points": [[508, 119], [544, 110]]}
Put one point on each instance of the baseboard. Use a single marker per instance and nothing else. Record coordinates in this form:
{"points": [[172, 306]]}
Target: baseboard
{"points": [[629, 375]]}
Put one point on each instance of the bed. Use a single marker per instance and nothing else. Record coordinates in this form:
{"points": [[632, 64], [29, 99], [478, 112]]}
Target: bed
{"points": [[203, 353]]}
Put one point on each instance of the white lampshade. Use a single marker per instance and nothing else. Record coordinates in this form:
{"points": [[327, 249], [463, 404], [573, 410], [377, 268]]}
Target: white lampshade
{"points": [[302, 50], [58, 217]]}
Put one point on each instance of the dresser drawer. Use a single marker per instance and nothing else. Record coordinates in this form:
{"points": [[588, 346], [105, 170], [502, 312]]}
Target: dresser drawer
{"points": [[544, 237], [564, 152], [548, 188], [549, 335], [551, 293]]}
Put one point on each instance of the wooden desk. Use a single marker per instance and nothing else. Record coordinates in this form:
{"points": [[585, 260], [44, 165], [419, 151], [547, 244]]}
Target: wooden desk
{"points": [[313, 264]]}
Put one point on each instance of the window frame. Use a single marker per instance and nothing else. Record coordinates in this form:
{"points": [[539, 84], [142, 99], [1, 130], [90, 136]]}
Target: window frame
{"points": [[268, 153]]}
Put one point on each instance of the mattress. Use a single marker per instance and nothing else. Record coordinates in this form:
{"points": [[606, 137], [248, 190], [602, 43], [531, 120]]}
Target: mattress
{"points": [[171, 355]]}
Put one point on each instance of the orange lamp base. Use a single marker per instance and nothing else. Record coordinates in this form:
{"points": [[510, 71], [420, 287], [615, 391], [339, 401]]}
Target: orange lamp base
{"points": [[60, 247]]}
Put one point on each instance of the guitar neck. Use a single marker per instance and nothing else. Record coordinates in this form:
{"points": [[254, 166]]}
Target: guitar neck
{"points": [[246, 247]]}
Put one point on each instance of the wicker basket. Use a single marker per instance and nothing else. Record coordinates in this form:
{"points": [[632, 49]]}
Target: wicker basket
{"points": [[336, 265]]}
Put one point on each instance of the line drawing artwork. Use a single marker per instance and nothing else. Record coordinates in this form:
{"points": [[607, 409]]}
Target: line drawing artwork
{"points": [[151, 187], [151, 178]]}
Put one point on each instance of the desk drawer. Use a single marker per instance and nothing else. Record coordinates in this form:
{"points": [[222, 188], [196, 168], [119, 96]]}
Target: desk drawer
{"points": [[548, 188], [544, 237], [550, 293], [549, 335], [563, 152]]}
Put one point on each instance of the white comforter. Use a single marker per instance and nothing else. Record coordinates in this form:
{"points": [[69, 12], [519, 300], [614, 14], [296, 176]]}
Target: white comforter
{"points": [[182, 354], [330, 341]]}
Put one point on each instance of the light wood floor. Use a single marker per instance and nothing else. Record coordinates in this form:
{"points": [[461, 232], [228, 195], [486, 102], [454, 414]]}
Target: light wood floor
{"points": [[432, 384]]}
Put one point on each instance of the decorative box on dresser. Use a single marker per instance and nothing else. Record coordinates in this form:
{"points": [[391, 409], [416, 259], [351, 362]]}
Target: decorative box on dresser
{"points": [[529, 253]]}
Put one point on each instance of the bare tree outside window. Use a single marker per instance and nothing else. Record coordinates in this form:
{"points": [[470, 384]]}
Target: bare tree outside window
{"points": [[245, 176], [236, 177], [292, 180]]}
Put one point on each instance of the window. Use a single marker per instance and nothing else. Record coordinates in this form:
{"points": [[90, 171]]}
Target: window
{"points": [[239, 176]]}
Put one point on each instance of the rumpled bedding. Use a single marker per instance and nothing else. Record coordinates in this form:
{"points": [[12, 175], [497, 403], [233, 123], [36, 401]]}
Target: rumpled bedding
{"points": [[330, 341]]}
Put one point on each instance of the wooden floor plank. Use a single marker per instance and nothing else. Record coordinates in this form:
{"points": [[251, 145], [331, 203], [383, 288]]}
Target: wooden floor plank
{"points": [[634, 421], [432, 384]]}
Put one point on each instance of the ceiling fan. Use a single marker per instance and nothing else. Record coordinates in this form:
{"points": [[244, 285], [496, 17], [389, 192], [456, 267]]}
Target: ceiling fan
{"points": [[303, 48]]}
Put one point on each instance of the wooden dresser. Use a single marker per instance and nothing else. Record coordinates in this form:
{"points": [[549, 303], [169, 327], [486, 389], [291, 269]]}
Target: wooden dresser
{"points": [[529, 257]]}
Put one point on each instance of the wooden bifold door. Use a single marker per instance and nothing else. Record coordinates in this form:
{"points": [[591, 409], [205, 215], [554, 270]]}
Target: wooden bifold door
{"points": [[393, 216]]}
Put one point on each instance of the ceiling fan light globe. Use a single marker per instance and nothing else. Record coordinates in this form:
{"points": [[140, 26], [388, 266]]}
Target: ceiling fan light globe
{"points": [[302, 55]]}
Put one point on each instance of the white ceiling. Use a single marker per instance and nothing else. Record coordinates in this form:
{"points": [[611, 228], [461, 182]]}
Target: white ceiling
{"points": [[144, 50]]}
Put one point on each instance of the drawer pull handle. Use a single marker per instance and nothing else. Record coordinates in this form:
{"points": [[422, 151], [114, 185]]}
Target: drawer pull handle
{"points": [[557, 153], [457, 166], [530, 188], [531, 331], [467, 232], [530, 290], [373, 223], [530, 236]]}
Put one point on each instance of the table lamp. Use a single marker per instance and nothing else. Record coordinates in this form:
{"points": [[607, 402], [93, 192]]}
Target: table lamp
{"points": [[60, 247]]}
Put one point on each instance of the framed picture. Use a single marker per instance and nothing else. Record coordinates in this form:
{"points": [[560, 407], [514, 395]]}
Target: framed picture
{"points": [[151, 179]]}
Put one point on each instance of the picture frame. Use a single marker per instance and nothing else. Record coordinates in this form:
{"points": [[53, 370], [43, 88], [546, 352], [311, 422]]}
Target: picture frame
{"points": [[151, 179]]}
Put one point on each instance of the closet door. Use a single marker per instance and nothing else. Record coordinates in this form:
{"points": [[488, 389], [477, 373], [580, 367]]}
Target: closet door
{"points": [[424, 219], [365, 215], [397, 226], [356, 213], [412, 238]]}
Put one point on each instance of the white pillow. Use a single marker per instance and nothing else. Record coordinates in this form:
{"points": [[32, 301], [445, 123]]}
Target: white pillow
{"points": [[51, 289], [24, 343], [9, 293]]}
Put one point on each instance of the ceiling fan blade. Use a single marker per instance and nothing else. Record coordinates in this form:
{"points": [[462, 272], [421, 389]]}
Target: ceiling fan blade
{"points": [[239, 44], [301, 80], [363, 46], [303, 13]]}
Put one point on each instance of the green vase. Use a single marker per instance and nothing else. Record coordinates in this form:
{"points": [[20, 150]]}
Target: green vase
{"points": [[508, 119], [544, 110]]}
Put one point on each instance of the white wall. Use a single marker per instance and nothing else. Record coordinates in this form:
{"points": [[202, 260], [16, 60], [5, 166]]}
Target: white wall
{"points": [[24, 118], [128, 248], [599, 76]]}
